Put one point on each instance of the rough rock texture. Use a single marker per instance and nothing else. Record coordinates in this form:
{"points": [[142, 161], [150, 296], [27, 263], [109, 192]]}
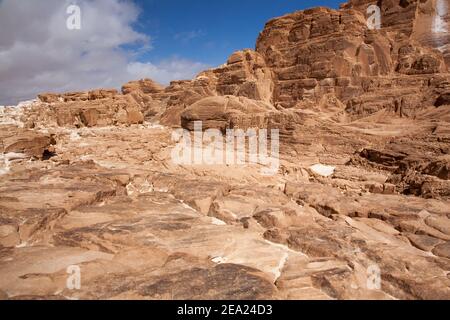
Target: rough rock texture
{"points": [[87, 179], [322, 51], [222, 112], [98, 108], [245, 75], [425, 21], [146, 86], [30, 143], [102, 108]]}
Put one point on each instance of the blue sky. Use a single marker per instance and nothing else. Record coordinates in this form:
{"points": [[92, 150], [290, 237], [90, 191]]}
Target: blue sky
{"points": [[208, 31]]}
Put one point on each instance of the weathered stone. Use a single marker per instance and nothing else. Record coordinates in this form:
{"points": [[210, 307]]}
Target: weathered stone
{"points": [[107, 196], [145, 86], [49, 97], [424, 242], [443, 250], [31, 143], [219, 112]]}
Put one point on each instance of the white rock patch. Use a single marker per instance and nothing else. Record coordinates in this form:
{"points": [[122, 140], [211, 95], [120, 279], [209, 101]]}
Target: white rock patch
{"points": [[6, 158], [74, 136], [219, 260], [323, 170], [217, 222], [439, 24]]}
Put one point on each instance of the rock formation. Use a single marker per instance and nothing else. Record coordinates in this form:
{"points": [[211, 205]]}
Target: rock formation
{"points": [[363, 187]]}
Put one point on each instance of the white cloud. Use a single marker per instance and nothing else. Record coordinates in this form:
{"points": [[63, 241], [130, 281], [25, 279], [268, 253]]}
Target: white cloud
{"points": [[38, 53], [166, 70]]}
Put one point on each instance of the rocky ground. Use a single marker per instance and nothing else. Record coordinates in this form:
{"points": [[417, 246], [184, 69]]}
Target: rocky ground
{"points": [[87, 179]]}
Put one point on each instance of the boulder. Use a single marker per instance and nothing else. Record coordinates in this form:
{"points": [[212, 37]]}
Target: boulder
{"points": [[49, 97], [145, 86], [219, 112], [28, 142], [102, 94]]}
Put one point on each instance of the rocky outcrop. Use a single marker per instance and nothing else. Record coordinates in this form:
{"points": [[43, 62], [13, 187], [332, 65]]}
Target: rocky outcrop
{"points": [[413, 171], [362, 189], [145, 86], [78, 96], [28, 142], [142, 92], [303, 56], [224, 112], [244, 75], [321, 51], [49, 97], [94, 108], [424, 21], [102, 107], [181, 94], [96, 113]]}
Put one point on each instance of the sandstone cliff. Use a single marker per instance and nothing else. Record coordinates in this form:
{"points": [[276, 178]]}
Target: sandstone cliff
{"points": [[362, 190]]}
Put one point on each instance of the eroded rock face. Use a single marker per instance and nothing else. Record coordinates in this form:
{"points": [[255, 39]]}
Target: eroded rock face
{"points": [[87, 179], [244, 75], [222, 112], [321, 51], [101, 108], [181, 94], [424, 21], [28, 142], [306, 55], [145, 86]]}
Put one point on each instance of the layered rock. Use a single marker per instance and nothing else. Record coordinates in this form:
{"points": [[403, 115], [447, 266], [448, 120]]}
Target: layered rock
{"points": [[142, 92], [145, 86], [78, 96], [322, 51], [303, 56], [181, 94], [362, 188], [133, 229], [94, 108], [27, 142], [426, 21], [224, 112], [244, 75]]}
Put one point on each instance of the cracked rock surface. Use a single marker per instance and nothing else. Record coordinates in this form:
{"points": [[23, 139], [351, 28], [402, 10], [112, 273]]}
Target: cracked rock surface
{"points": [[358, 209]]}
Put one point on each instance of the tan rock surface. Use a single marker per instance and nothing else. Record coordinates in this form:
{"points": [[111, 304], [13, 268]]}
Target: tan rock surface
{"points": [[87, 178]]}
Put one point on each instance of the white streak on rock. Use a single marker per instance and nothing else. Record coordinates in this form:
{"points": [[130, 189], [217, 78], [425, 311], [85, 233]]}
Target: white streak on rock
{"points": [[439, 24], [217, 222], [322, 170]]}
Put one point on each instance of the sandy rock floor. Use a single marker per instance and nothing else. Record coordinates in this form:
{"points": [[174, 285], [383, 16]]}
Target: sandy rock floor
{"points": [[112, 203]]}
